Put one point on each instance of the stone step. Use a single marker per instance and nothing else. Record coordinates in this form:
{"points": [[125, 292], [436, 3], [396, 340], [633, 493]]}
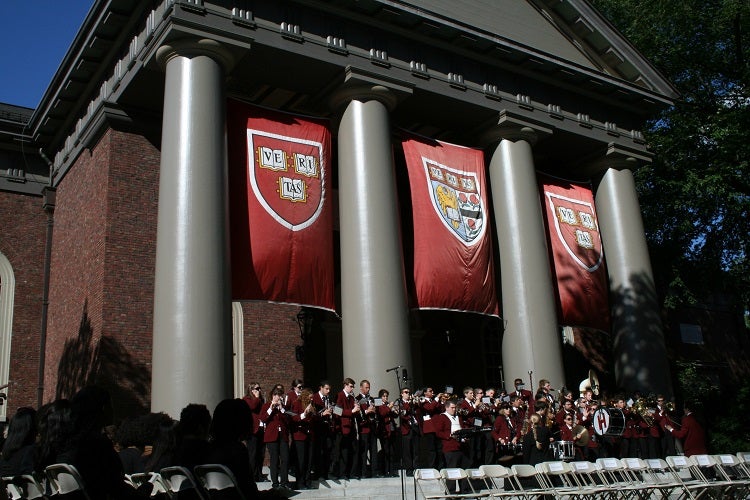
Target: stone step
{"points": [[389, 488]]}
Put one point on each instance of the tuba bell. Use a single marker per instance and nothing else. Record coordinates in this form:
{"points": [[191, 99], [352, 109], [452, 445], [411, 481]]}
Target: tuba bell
{"points": [[592, 383]]}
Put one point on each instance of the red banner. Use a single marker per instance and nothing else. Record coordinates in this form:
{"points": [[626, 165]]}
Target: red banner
{"points": [[281, 213], [452, 261], [577, 253]]}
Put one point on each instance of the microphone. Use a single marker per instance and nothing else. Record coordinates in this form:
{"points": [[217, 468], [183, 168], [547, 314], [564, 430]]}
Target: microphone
{"points": [[393, 369]]}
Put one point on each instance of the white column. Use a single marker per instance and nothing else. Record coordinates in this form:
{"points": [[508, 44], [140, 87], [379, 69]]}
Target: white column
{"points": [[192, 349], [374, 310], [640, 356], [532, 336]]}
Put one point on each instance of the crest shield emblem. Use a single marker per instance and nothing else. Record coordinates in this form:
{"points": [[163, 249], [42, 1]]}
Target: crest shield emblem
{"points": [[457, 200], [577, 228], [287, 177]]}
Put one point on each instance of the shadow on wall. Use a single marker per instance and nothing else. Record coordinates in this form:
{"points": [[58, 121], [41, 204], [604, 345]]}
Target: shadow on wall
{"points": [[638, 337], [105, 363]]}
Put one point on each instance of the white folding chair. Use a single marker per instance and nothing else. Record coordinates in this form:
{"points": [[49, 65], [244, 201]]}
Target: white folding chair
{"points": [[496, 477], [528, 483], [63, 479], [460, 476], [180, 482], [558, 476], [732, 470], [687, 472], [24, 487], [717, 481], [217, 478], [663, 478], [587, 477], [620, 481], [430, 484], [160, 487]]}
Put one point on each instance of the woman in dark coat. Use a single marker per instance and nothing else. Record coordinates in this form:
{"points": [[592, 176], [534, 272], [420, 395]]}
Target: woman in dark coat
{"points": [[19, 450]]}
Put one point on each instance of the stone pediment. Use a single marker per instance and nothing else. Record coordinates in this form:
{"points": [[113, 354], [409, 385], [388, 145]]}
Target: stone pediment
{"points": [[570, 32]]}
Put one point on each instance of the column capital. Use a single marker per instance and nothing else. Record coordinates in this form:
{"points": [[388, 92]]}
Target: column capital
{"points": [[365, 85], [618, 157], [192, 47], [514, 127]]}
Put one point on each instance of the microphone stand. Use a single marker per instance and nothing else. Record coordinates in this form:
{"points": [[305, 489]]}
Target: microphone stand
{"points": [[401, 471]]}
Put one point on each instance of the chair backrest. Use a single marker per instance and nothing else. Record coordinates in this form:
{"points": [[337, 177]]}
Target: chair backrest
{"points": [[453, 474], [430, 483], [160, 487], [495, 475], [24, 487], [217, 477], [179, 480], [64, 479], [523, 470]]}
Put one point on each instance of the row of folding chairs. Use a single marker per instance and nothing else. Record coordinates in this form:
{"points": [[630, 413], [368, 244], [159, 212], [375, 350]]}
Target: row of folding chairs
{"points": [[204, 482], [677, 477], [58, 480], [207, 482]]}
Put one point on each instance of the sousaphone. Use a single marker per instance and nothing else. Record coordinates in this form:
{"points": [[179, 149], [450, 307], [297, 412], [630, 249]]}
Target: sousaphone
{"points": [[592, 382]]}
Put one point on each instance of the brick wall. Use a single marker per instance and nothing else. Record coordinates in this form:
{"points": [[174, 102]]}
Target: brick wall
{"points": [[22, 239], [271, 334], [101, 286]]}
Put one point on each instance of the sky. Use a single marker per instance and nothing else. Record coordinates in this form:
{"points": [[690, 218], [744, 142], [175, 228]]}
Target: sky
{"points": [[35, 36]]}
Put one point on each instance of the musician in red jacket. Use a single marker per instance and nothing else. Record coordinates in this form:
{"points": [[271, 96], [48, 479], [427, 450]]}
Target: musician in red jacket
{"points": [[255, 447], [303, 417], [276, 437], [345, 412], [455, 450], [387, 434], [692, 434]]}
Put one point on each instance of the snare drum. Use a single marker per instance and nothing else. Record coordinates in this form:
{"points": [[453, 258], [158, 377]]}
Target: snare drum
{"points": [[609, 422], [563, 450]]}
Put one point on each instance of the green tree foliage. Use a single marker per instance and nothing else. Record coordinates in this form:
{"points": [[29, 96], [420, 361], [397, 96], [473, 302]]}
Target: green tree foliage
{"points": [[695, 196]]}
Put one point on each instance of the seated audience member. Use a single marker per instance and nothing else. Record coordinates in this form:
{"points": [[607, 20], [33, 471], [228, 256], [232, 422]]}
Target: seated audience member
{"points": [[91, 451], [19, 449]]}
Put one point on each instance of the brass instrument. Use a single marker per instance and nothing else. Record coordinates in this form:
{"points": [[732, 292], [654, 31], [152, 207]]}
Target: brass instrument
{"points": [[590, 383], [581, 431], [645, 408]]}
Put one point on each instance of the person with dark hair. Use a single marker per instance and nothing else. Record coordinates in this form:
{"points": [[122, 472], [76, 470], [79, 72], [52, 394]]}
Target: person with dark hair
{"points": [[231, 424], [91, 451], [132, 445], [255, 447], [55, 428], [275, 416], [164, 449], [19, 449], [690, 432], [192, 435]]}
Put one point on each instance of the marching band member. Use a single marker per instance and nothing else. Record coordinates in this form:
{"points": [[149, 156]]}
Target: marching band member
{"points": [[545, 393], [410, 431], [517, 412], [255, 446], [484, 445], [387, 434], [302, 425], [504, 433], [276, 437], [293, 393], [691, 432], [430, 407], [367, 429], [346, 432], [524, 394], [454, 449], [322, 431], [664, 415], [566, 410]]}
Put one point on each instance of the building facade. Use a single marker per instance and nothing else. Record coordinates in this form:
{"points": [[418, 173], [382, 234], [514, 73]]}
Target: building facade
{"points": [[122, 235]]}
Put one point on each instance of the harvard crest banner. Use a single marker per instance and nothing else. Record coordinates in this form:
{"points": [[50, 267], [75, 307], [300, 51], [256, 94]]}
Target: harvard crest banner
{"points": [[281, 215], [577, 253], [452, 258]]}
